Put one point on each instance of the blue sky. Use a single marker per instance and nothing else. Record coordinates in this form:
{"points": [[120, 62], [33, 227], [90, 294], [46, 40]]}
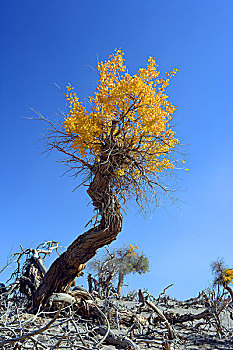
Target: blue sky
{"points": [[47, 42]]}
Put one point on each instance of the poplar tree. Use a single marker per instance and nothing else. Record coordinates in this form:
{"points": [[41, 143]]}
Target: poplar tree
{"points": [[121, 145]]}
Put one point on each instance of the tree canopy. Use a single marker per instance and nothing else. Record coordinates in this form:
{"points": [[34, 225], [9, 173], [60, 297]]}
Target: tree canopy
{"points": [[124, 131], [222, 275]]}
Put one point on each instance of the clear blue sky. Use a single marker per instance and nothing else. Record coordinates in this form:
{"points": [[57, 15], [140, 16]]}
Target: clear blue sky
{"points": [[46, 42]]}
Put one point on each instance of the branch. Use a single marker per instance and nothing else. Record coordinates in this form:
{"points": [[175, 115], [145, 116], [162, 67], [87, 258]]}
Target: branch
{"points": [[161, 315], [30, 334], [114, 339], [58, 297]]}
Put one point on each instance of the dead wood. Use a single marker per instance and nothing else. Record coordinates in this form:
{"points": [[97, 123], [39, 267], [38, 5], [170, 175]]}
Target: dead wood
{"points": [[61, 297], [85, 317], [114, 339], [161, 315], [164, 291], [33, 333], [176, 318], [84, 320]]}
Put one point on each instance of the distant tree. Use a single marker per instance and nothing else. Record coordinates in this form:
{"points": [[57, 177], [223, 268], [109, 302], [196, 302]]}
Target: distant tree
{"points": [[129, 261], [121, 262], [223, 275], [121, 145]]}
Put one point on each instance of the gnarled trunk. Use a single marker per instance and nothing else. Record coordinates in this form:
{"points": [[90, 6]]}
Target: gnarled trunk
{"points": [[65, 268]]}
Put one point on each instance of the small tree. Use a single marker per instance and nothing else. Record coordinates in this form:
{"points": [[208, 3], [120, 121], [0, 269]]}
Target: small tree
{"points": [[223, 276], [121, 262], [129, 261], [123, 144]]}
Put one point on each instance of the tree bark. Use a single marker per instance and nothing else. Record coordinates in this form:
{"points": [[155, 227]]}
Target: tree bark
{"points": [[90, 287], [120, 284], [65, 268]]}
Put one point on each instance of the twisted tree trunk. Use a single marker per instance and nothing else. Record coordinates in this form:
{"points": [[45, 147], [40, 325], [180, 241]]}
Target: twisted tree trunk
{"points": [[65, 268]]}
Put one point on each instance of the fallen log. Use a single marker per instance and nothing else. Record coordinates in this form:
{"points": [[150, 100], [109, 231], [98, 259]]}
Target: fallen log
{"points": [[177, 318], [114, 339]]}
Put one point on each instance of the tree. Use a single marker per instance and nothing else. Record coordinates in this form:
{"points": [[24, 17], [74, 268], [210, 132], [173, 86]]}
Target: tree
{"points": [[128, 261], [223, 276], [121, 146], [121, 262]]}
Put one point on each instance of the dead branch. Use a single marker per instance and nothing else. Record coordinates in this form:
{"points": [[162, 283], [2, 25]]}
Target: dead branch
{"points": [[114, 339], [176, 318], [31, 334], [164, 291], [163, 318], [61, 297]]}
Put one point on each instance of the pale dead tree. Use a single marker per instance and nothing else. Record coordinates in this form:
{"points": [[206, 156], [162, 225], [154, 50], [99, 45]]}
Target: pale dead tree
{"points": [[105, 270], [122, 146], [30, 268]]}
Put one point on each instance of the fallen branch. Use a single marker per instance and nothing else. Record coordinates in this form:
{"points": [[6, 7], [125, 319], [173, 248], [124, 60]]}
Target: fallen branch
{"points": [[30, 334], [114, 339], [186, 317], [61, 297], [162, 316]]}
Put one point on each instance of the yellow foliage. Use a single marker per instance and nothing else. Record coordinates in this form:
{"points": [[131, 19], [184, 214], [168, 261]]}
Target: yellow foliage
{"points": [[131, 110], [131, 250], [228, 276]]}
